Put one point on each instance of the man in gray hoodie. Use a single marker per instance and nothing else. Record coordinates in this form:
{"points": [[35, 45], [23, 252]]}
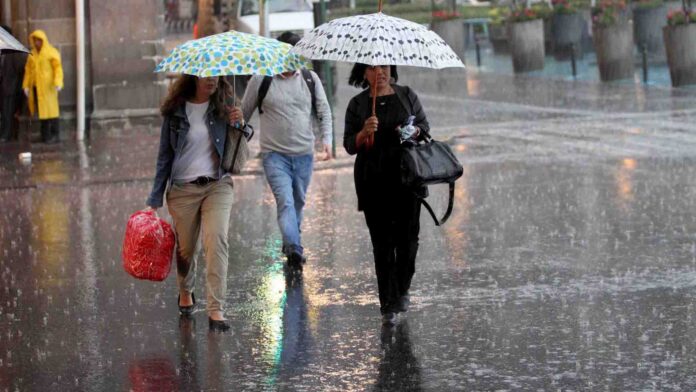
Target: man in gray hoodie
{"points": [[286, 113]]}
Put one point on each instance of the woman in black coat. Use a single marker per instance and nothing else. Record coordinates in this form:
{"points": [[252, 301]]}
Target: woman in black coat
{"points": [[392, 211]]}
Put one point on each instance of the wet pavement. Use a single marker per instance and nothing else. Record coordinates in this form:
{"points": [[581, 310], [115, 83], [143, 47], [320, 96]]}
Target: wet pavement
{"points": [[569, 262]]}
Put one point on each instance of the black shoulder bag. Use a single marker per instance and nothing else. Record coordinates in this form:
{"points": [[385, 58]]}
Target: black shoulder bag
{"points": [[427, 163]]}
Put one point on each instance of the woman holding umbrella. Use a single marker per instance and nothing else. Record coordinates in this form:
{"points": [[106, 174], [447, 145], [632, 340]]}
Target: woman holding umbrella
{"points": [[199, 194], [392, 211], [192, 147]]}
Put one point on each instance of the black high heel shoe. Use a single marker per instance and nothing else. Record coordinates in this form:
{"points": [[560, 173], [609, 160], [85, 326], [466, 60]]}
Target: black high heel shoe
{"points": [[186, 310], [218, 325]]}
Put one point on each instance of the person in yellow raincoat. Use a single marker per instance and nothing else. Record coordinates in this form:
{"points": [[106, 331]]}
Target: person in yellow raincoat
{"points": [[43, 79]]}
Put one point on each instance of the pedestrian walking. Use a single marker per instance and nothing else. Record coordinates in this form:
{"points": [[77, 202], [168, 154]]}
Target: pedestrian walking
{"points": [[286, 103], [392, 211], [43, 80], [11, 76], [198, 191]]}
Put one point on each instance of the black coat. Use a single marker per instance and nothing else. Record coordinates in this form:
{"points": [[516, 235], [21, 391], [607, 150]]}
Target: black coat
{"points": [[12, 74], [376, 170]]}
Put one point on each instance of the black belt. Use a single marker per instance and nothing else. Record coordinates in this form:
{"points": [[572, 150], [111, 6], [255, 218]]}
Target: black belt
{"points": [[203, 180]]}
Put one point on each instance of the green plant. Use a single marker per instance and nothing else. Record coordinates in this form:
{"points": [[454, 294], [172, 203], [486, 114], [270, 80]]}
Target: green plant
{"points": [[543, 10], [680, 17], [564, 7], [609, 13], [647, 4], [522, 14], [498, 15]]}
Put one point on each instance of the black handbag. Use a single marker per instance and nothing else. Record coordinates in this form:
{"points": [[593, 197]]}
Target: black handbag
{"points": [[427, 163]]}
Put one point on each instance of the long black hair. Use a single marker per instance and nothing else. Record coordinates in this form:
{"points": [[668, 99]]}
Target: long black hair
{"points": [[357, 75]]}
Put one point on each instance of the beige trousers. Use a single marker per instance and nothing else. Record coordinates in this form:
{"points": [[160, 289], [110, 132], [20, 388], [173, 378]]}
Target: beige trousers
{"points": [[203, 210]]}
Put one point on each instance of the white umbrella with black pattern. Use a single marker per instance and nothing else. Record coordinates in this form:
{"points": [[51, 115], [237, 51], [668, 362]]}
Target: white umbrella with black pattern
{"points": [[377, 39], [8, 43]]}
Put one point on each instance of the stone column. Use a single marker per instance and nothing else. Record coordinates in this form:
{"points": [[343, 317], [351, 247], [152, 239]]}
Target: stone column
{"points": [[126, 43]]}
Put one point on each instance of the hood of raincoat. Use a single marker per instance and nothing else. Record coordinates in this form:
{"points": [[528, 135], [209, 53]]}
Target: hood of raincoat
{"points": [[40, 34]]}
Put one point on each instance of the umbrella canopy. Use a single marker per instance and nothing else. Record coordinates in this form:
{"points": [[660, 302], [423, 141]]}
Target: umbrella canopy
{"points": [[232, 53], [8, 43], [377, 39]]}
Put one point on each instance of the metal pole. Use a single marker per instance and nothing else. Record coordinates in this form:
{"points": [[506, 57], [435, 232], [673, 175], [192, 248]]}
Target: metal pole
{"points": [[572, 60], [478, 53], [80, 35], [263, 18], [644, 50], [7, 12], [328, 77]]}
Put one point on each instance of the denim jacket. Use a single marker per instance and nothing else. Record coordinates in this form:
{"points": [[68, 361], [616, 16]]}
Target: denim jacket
{"points": [[175, 127]]}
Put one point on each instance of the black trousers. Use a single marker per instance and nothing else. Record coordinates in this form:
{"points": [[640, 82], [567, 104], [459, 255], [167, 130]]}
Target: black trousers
{"points": [[9, 125], [49, 130], [394, 225]]}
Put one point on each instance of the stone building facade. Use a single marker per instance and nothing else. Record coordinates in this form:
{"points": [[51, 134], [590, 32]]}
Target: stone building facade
{"points": [[124, 42]]}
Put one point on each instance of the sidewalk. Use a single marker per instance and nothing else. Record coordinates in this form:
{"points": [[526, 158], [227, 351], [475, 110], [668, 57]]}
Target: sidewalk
{"points": [[568, 263]]}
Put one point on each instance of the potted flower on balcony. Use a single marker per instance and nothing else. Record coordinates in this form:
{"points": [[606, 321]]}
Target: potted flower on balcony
{"points": [[566, 28], [526, 39], [612, 36], [680, 43], [648, 20]]}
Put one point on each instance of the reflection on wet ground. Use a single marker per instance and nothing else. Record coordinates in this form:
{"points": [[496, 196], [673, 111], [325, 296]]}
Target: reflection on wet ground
{"points": [[569, 262]]}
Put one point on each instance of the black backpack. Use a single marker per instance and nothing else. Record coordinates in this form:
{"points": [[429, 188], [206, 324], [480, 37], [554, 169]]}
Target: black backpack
{"points": [[266, 84]]}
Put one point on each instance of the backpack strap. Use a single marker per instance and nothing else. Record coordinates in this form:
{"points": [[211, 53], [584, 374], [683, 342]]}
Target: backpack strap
{"points": [[449, 206], [307, 76], [309, 80], [263, 90]]}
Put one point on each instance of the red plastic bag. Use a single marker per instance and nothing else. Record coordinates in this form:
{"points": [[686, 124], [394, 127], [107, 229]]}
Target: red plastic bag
{"points": [[148, 246]]}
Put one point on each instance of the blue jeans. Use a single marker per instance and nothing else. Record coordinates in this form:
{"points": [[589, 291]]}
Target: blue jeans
{"points": [[289, 178]]}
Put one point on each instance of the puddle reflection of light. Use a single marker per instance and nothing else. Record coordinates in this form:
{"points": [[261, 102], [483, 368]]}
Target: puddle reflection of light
{"points": [[640, 93], [455, 231], [629, 163], [624, 181], [51, 171], [274, 295], [473, 87], [634, 131]]}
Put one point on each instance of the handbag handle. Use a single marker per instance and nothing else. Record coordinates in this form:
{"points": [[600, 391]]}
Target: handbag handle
{"points": [[439, 222]]}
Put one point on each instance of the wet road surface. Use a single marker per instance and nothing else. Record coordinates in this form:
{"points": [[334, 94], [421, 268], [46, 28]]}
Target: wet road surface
{"points": [[569, 262]]}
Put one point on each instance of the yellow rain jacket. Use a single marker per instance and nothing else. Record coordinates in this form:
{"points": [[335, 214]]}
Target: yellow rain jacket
{"points": [[45, 72]]}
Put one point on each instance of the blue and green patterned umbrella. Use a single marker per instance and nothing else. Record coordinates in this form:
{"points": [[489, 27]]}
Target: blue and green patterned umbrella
{"points": [[232, 53]]}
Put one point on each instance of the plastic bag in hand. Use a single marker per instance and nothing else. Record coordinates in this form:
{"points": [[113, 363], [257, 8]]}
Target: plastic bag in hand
{"points": [[407, 130], [148, 246]]}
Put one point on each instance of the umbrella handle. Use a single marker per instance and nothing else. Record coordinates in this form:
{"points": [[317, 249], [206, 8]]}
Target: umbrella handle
{"points": [[374, 94], [371, 139], [234, 90]]}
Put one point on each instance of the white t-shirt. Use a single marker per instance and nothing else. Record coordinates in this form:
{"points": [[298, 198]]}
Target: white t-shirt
{"points": [[198, 157]]}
